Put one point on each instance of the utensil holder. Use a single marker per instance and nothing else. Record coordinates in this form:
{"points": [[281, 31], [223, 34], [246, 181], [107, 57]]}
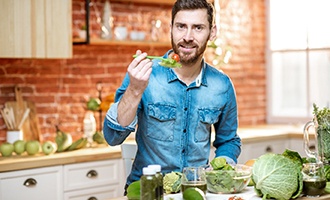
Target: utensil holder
{"points": [[12, 136]]}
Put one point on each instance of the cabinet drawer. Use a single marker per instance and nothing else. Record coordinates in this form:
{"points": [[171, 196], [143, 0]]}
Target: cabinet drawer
{"points": [[90, 174], [43, 183], [255, 149], [99, 193]]}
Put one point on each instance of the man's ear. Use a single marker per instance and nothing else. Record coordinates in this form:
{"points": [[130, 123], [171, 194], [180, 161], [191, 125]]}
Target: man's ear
{"points": [[213, 33]]}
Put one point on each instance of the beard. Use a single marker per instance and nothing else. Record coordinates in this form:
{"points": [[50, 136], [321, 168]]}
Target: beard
{"points": [[189, 58]]}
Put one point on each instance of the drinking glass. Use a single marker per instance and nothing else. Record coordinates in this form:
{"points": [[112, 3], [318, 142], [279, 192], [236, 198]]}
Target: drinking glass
{"points": [[313, 179], [193, 177]]}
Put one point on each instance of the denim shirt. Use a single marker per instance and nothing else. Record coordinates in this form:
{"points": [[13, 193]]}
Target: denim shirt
{"points": [[173, 122]]}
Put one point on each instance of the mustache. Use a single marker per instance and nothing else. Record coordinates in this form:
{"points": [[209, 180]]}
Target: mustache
{"points": [[188, 44]]}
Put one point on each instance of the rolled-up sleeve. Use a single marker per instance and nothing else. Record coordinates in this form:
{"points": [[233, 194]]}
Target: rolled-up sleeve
{"points": [[113, 132]]}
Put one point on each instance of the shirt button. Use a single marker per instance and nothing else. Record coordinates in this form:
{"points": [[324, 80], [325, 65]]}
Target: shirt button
{"points": [[184, 130], [185, 109], [183, 150]]}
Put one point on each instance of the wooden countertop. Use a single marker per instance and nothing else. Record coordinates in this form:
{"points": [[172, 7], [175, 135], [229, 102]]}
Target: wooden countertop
{"points": [[101, 152], [268, 132], [248, 134]]}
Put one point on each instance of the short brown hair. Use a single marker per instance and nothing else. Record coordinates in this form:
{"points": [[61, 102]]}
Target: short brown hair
{"points": [[193, 5]]}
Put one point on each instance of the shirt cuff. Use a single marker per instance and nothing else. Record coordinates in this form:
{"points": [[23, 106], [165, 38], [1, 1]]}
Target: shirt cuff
{"points": [[112, 118], [229, 160]]}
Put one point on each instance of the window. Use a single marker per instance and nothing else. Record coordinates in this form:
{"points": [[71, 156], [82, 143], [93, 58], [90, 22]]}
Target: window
{"points": [[298, 59]]}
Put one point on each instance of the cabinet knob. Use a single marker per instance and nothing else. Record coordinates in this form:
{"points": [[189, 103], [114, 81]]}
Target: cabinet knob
{"points": [[92, 198], [269, 149], [30, 182], [91, 174]]}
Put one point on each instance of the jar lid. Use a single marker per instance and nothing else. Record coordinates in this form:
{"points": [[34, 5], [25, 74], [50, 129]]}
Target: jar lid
{"points": [[148, 171], [157, 168]]}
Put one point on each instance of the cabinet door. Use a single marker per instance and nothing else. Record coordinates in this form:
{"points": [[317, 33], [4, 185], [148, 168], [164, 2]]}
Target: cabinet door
{"points": [[36, 29], [98, 193], [43, 183], [255, 149], [92, 174]]}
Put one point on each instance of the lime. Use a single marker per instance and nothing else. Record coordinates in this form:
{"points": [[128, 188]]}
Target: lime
{"points": [[193, 194], [133, 190]]}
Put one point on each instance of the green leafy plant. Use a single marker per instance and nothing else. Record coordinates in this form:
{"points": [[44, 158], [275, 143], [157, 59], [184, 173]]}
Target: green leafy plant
{"points": [[322, 117]]}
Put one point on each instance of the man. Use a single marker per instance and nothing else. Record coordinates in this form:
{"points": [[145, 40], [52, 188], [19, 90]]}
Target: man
{"points": [[174, 109]]}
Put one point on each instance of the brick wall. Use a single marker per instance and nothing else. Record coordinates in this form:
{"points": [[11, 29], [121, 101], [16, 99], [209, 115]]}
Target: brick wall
{"points": [[60, 88]]}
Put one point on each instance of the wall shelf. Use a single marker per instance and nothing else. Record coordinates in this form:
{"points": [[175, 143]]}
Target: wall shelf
{"points": [[129, 43], [164, 2]]}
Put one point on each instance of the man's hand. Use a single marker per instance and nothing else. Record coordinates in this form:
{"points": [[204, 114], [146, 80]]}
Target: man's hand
{"points": [[139, 71]]}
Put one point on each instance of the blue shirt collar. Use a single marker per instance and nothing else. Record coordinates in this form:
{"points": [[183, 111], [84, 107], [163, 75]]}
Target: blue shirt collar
{"points": [[200, 79]]}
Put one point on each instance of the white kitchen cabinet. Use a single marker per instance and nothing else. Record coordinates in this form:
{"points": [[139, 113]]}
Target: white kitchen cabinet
{"points": [[39, 183], [95, 180], [36, 29], [253, 150], [99, 175], [98, 193]]}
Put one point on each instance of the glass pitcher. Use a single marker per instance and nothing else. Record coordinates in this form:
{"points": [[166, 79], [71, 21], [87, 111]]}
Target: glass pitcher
{"points": [[322, 140]]}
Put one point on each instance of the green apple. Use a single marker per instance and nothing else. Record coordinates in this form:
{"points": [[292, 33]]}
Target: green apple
{"points": [[19, 147], [32, 147], [6, 149], [49, 147]]}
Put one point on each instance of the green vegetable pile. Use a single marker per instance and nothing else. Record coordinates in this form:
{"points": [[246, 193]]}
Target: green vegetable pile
{"points": [[226, 179], [278, 175], [172, 182], [323, 131]]}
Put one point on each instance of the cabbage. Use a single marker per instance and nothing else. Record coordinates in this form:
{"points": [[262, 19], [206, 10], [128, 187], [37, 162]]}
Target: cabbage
{"points": [[172, 182], [277, 176]]}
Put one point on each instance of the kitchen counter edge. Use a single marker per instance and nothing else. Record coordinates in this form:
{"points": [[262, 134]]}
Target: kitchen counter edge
{"points": [[22, 162]]}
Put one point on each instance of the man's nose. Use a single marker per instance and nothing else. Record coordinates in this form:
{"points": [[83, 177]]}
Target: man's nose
{"points": [[189, 36]]}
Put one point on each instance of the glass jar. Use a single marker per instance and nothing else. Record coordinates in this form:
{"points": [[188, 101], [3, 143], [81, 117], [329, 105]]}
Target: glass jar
{"points": [[148, 184]]}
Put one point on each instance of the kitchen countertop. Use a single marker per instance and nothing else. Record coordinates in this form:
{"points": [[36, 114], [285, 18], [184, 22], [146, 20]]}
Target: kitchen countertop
{"points": [[268, 132], [101, 152], [248, 134]]}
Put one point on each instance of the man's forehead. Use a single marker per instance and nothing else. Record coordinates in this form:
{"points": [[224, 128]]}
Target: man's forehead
{"points": [[197, 16]]}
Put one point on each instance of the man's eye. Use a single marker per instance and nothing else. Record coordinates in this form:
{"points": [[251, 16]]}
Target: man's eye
{"points": [[180, 26], [198, 28]]}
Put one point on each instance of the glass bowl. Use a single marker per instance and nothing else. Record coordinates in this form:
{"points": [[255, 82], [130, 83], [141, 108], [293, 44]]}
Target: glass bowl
{"points": [[228, 181]]}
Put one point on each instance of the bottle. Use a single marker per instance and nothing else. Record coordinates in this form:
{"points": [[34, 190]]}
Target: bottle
{"points": [[148, 184], [89, 126], [159, 176], [107, 22]]}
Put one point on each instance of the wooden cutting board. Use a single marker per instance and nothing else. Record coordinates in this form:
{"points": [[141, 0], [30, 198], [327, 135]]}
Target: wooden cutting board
{"points": [[30, 128]]}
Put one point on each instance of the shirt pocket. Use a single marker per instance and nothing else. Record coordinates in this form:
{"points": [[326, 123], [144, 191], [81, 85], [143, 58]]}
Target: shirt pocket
{"points": [[161, 121], [206, 117]]}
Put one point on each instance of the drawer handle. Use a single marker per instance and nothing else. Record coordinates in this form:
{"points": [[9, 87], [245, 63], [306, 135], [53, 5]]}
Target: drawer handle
{"points": [[269, 149], [92, 174], [92, 198], [30, 182]]}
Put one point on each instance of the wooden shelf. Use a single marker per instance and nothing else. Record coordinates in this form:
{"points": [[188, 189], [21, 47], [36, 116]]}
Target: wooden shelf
{"points": [[129, 43], [164, 2]]}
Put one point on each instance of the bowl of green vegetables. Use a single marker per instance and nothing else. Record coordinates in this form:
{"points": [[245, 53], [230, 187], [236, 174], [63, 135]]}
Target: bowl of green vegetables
{"points": [[227, 179]]}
